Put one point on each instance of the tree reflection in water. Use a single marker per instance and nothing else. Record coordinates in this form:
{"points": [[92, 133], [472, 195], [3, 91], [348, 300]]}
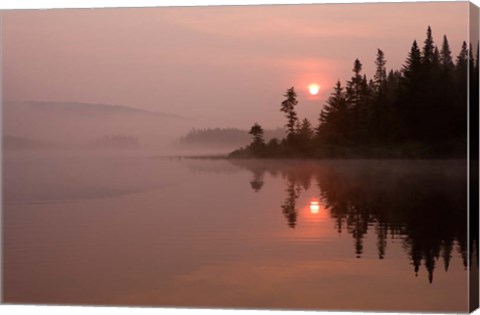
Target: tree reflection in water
{"points": [[423, 203]]}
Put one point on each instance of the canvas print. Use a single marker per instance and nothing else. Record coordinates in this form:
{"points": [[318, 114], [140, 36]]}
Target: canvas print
{"points": [[294, 157]]}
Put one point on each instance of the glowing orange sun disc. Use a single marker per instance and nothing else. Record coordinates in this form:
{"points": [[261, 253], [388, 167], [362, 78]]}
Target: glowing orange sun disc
{"points": [[313, 89]]}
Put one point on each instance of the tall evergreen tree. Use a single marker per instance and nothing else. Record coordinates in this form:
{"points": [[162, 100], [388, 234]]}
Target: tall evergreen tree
{"points": [[288, 107], [357, 94], [462, 56], [474, 112], [442, 94], [412, 65], [334, 118], [380, 76], [380, 118], [408, 96], [458, 123], [446, 54], [354, 86], [471, 61], [474, 102], [428, 51]]}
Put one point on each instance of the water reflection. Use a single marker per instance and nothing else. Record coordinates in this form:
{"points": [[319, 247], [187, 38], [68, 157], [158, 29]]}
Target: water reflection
{"points": [[257, 182], [257, 230], [289, 207], [421, 203]]}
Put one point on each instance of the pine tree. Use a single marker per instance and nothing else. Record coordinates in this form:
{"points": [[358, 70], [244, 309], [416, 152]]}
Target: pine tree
{"points": [[428, 48], [354, 86], [288, 107], [306, 131], [458, 123], [334, 118], [380, 77], [304, 138], [358, 101], [257, 132], [257, 147], [408, 97], [471, 61], [474, 104], [412, 65], [380, 118], [474, 113], [462, 56], [446, 54]]}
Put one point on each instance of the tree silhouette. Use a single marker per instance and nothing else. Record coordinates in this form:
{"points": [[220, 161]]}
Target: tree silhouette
{"points": [[288, 107], [446, 55], [289, 207], [304, 137], [334, 118], [380, 77], [258, 143], [257, 132], [428, 49]]}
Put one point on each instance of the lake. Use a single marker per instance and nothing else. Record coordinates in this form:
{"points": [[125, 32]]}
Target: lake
{"points": [[304, 234]]}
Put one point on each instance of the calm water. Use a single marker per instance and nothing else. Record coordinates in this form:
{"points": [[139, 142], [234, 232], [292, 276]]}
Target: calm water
{"points": [[372, 235]]}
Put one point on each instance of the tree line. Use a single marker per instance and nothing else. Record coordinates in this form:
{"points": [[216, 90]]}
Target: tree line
{"points": [[419, 111]]}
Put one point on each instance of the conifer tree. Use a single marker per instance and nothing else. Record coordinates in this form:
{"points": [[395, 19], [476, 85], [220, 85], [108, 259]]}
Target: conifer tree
{"points": [[334, 118], [358, 102], [380, 76], [257, 146], [446, 54], [412, 65], [257, 132], [306, 131], [462, 56], [428, 51], [288, 107], [409, 93], [354, 86]]}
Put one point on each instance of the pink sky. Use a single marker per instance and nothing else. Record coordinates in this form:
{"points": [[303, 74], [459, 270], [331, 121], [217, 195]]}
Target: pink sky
{"points": [[226, 65]]}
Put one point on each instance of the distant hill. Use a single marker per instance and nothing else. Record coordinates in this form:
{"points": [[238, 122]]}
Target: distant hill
{"points": [[91, 109], [74, 124], [224, 137]]}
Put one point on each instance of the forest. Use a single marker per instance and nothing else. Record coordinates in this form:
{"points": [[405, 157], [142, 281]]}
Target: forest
{"points": [[419, 111]]}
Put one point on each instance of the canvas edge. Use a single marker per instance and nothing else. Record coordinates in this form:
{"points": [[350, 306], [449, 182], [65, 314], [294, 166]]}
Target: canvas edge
{"points": [[473, 162]]}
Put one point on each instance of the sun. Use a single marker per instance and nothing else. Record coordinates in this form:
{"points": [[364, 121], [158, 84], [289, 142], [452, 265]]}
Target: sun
{"points": [[314, 207], [313, 89]]}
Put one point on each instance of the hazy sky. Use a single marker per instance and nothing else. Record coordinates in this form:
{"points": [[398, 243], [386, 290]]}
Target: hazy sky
{"points": [[226, 65]]}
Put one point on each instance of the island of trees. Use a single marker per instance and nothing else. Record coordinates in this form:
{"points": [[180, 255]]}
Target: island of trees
{"points": [[223, 137], [419, 111]]}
